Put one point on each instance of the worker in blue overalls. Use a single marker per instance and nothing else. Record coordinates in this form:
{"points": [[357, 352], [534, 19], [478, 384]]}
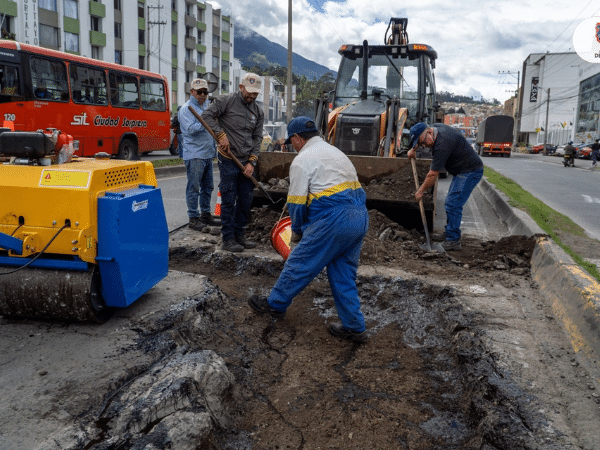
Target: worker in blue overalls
{"points": [[329, 222]]}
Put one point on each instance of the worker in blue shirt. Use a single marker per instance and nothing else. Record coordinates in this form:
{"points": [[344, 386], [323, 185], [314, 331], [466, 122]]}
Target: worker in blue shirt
{"points": [[199, 150]]}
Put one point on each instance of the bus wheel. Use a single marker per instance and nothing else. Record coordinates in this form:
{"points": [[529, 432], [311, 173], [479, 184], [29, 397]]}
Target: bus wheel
{"points": [[128, 150]]}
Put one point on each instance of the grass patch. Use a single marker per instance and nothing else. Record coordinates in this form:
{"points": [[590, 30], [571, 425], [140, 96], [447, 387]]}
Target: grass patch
{"points": [[552, 222], [167, 162]]}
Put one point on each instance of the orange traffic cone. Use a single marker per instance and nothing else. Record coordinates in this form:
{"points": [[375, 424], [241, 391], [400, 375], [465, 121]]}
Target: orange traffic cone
{"points": [[218, 205]]}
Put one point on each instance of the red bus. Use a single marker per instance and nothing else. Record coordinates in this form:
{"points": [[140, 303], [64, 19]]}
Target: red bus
{"points": [[105, 107]]}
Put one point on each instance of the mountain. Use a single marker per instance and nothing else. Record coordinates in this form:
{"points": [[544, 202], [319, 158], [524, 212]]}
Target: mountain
{"points": [[252, 49]]}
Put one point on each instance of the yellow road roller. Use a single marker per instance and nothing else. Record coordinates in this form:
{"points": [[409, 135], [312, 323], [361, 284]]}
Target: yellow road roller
{"points": [[79, 237]]}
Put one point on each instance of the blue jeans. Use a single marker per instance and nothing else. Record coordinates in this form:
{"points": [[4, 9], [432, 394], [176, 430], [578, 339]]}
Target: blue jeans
{"points": [[458, 193], [333, 241], [237, 192], [199, 185]]}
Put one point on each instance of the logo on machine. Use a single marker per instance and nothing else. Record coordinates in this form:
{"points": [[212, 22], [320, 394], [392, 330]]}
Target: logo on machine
{"points": [[137, 206], [355, 130], [80, 119]]}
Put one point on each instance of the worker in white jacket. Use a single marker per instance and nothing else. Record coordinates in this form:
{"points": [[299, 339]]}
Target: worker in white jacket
{"points": [[329, 222]]}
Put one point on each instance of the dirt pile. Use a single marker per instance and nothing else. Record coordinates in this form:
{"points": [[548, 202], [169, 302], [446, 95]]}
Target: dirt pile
{"points": [[388, 243], [398, 186]]}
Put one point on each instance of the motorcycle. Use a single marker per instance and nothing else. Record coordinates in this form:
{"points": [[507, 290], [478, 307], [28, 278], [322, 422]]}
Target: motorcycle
{"points": [[568, 160]]}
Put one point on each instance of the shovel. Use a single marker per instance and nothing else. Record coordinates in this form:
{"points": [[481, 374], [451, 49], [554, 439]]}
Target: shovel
{"points": [[235, 160], [437, 247]]}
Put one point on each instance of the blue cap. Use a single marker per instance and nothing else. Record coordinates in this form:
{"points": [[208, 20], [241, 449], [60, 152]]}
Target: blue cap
{"points": [[416, 131], [300, 125]]}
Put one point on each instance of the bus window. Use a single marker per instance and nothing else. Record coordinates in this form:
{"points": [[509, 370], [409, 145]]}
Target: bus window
{"points": [[123, 90], [49, 79], [9, 82], [153, 95], [88, 86]]}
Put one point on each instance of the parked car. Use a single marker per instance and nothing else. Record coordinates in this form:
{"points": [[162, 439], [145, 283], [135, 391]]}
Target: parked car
{"points": [[584, 151], [560, 150], [537, 149]]}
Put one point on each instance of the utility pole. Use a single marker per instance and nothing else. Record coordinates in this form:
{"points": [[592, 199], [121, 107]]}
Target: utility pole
{"points": [[546, 130], [516, 113], [289, 111], [150, 24]]}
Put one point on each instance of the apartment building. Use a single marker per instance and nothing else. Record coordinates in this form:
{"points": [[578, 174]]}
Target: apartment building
{"points": [[181, 39]]}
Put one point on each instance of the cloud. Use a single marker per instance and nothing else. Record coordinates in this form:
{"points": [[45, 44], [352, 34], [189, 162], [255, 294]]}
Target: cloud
{"points": [[474, 39]]}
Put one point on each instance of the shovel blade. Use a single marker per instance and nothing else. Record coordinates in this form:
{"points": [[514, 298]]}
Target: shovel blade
{"points": [[435, 247]]}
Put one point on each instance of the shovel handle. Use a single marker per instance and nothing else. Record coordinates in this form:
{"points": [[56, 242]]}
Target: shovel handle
{"points": [[421, 207]]}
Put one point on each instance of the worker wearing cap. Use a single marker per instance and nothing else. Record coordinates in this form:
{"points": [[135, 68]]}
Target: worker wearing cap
{"points": [[198, 152], [238, 123], [450, 150], [330, 220]]}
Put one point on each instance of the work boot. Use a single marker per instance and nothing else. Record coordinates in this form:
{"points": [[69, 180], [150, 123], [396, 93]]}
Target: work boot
{"points": [[232, 246], [244, 242], [195, 224], [337, 330], [451, 245], [261, 306], [208, 219]]}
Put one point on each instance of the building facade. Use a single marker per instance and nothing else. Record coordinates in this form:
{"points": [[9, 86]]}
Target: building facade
{"points": [[559, 99], [180, 39]]}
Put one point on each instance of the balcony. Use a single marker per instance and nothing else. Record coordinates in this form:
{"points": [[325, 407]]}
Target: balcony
{"points": [[190, 21], [190, 66], [190, 43], [97, 38], [97, 9]]}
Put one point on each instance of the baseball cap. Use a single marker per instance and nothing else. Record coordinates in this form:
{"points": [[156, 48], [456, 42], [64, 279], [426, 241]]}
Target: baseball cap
{"points": [[252, 82], [198, 83], [416, 131], [299, 125]]}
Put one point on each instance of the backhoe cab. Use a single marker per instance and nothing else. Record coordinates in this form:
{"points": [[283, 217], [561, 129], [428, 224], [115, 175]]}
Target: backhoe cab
{"points": [[380, 92]]}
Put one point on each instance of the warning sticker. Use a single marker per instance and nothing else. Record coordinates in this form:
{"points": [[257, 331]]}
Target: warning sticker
{"points": [[64, 178]]}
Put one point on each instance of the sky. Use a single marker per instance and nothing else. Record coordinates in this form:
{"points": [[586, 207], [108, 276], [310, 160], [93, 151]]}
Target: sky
{"points": [[475, 40]]}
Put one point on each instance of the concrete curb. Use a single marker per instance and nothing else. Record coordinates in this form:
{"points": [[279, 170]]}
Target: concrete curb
{"points": [[573, 294], [163, 172]]}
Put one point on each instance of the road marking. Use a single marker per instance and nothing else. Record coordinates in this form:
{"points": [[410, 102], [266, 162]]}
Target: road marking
{"points": [[589, 199]]}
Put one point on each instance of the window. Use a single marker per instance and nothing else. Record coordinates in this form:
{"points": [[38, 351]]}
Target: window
{"points": [[189, 56], [49, 79], [215, 61], [96, 52], [140, 9], [200, 15], [49, 36], [88, 86], [70, 9], [224, 86], [142, 36], [71, 42], [174, 5], [174, 74], [200, 59], [189, 9], [141, 62], [224, 66], [216, 41], [225, 26], [216, 20], [173, 51], [189, 76], [118, 30], [118, 5], [189, 32], [153, 95], [47, 4], [123, 90], [7, 26], [96, 23], [9, 81], [201, 37], [173, 27], [118, 57]]}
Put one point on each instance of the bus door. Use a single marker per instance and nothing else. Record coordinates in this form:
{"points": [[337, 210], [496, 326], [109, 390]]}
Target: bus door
{"points": [[11, 89]]}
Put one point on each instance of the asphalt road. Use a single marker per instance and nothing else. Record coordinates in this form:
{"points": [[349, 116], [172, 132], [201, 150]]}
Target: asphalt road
{"points": [[574, 192]]}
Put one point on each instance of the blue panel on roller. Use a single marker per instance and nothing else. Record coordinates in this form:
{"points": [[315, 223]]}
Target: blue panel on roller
{"points": [[133, 244]]}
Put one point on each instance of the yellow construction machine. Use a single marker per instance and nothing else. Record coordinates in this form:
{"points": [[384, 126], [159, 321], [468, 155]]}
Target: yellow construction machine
{"points": [[78, 236], [379, 93]]}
